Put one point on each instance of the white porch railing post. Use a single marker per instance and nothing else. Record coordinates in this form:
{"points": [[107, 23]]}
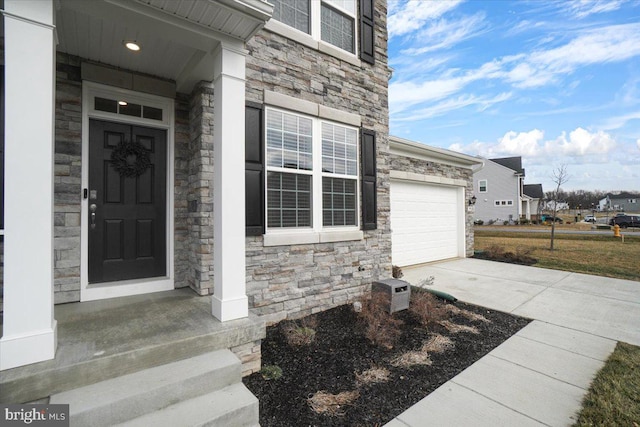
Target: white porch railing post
{"points": [[29, 329], [229, 300]]}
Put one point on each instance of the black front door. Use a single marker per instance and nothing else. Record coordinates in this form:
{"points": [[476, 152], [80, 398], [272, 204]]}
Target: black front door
{"points": [[127, 202]]}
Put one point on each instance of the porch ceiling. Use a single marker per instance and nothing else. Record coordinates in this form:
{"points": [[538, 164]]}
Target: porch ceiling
{"points": [[177, 36]]}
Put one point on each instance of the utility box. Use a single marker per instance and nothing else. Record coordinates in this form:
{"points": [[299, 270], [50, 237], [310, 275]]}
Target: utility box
{"points": [[399, 292]]}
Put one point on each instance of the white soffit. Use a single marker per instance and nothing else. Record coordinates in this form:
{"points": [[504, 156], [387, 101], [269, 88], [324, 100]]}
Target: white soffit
{"points": [[176, 36]]}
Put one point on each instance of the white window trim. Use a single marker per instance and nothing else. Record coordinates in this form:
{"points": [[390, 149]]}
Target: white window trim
{"points": [[486, 186], [317, 233], [90, 292], [314, 40]]}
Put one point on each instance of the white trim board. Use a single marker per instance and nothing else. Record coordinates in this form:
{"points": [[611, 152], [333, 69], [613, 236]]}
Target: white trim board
{"points": [[90, 292]]}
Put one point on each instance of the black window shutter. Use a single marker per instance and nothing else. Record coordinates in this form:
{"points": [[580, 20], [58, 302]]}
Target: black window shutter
{"points": [[367, 31], [254, 170], [369, 193]]}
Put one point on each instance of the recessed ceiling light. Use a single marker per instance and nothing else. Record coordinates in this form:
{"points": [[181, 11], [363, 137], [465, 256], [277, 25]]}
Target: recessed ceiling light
{"points": [[132, 45], [122, 103]]}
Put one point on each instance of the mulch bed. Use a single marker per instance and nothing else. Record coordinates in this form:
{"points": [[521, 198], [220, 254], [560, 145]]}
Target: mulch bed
{"points": [[340, 351]]}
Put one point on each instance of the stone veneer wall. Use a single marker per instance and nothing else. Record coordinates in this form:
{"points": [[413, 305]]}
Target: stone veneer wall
{"points": [[182, 157], [293, 281], [200, 190], [68, 181], [402, 163]]}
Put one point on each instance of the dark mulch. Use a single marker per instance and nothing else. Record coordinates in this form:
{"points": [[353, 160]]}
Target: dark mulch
{"points": [[508, 257], [340, 350]]}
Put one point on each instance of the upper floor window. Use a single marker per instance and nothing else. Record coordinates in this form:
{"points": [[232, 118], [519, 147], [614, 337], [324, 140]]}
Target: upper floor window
{"points": [[482, 186], [312, 172], [332, 21], [294, 13]]}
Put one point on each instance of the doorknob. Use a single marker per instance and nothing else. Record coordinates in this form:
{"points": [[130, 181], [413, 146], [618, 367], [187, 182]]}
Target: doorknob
{"points": [[93, 208]]}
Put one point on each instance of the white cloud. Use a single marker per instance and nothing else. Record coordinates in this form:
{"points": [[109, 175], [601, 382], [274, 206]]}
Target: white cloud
{"points": [[407, 17], [444, 34], [619, 121], [526, 144], [531, 145], [451, 104], [581, 143], [638, 143], [539, 68], [583, 8], [607, 44]]}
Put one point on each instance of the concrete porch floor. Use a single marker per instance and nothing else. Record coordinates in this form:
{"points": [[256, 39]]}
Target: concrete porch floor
{"points": [[99, 340]]}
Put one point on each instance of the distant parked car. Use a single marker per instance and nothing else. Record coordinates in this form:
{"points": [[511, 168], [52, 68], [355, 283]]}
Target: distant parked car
{"points": [[590, 218], [625, 221], [552, 218]]}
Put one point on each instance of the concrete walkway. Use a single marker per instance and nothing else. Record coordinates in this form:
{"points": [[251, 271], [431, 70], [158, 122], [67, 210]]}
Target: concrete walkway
{"points": [[539, 376]]}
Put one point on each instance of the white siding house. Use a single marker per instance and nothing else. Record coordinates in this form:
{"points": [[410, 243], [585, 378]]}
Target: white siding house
{"points": [[498, 191]]}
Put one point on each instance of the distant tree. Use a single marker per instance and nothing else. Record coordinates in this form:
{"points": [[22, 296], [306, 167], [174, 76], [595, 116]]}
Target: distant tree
{"points": [[560, 176]]}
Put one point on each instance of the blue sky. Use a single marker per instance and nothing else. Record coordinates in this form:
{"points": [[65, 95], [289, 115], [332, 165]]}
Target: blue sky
{"points": [[556, 82]]}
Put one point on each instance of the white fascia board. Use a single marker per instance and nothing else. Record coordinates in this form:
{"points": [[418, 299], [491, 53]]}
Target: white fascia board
{"points": [[417, 150]]}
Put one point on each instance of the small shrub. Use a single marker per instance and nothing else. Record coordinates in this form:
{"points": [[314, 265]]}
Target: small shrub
{"points": [[505, 222], [372, 376], [271, 372], [426, 307], [300, 333], [381, 327], [332, 404], [522, 255], [478, 222], [396, 272]]}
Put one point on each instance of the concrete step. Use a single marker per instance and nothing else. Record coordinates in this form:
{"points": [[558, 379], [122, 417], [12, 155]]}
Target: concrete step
{"points": [[100, 340], [233, 406], [130, 396]]}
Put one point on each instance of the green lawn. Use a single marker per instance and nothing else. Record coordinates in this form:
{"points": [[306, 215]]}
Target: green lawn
{"points": [[590, 254], [614, 396]]}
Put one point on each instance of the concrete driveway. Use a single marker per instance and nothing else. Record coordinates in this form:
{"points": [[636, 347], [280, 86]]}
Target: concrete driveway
{"points": [[540, 375]]}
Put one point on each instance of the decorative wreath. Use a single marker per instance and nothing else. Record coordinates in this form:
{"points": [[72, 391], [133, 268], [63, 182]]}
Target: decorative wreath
{"points": [[130, 159]]}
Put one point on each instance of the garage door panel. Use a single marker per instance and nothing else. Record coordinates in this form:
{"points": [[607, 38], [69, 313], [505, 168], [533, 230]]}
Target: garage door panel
{"points": [[424, 222]]}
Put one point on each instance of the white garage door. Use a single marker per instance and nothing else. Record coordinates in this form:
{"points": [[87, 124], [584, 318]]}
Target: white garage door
{"points": [[426, 223]]}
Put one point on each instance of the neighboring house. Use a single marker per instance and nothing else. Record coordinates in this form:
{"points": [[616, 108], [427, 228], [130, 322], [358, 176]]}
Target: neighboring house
{"points": [[552, 205], [533, 200], [242, 156], [498, 188], [627, 202]]}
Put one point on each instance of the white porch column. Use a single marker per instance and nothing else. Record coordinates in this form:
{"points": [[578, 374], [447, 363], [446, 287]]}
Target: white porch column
{"points": [[229, 300], [29, 330]]}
